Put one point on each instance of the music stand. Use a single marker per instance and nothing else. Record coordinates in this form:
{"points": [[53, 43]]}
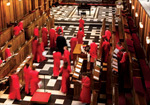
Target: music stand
{"points": [[43, 72]]}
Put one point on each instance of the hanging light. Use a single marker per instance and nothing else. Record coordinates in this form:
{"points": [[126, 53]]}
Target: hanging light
{"points": [[130, 1], [136, 14], [148, 39], [141, 25], [132, 6], [8, 4]]}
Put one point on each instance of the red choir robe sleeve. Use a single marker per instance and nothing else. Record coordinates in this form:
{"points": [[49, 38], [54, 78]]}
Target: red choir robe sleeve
{"points": [[27, 78], [52, 36], [16, 30], [34, 48], [7, 53], [20, 25], [34, 82], [40, 50], [44, 36], [14, 92], [36, 32]]}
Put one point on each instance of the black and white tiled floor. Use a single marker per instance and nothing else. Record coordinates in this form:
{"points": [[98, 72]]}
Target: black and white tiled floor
{"points": [[70, 13], [53, 84]]}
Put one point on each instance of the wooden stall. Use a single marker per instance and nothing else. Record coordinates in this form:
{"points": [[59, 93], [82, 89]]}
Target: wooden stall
{"points": [[141, 16], [5, 36], [15, 10]]}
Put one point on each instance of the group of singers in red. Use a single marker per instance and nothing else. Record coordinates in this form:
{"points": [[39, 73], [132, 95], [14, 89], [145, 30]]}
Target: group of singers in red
{"points": [[38, 44]]}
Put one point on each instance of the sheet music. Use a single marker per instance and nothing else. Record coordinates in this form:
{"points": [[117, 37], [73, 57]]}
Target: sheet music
{"points": [[77, 70], [95, 77], [98, 63], [116, 51], [114, 66], [79, 66], [97, 70], [115, 63], [75, 74], [80, 60], [114, 55]]}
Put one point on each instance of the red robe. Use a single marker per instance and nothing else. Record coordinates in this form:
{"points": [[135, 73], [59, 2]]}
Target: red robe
{"points": [[57, 58], [34, 48], [7, 53], [106, 49], [85, 95], [73, 43], [81, 24], [14, 92], [36, 32], [1, 61], [124, 57], [34, 81], [119, 47], [80, 36], [44, 35], [65, 83], [58, 29], [16, 30], [40, 50], [20, 25], [27, 78], [52, 35], [67, 58], [107, 35], [93, 51]]}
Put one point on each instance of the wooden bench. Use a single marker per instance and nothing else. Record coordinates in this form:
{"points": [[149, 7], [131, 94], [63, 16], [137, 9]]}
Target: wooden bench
{"points": [[16, 43]]}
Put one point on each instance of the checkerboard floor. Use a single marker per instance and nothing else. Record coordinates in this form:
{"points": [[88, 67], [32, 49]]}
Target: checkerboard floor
{"points": [[53, 84]]}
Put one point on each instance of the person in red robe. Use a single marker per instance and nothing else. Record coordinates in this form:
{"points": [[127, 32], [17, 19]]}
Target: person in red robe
{"points": [[14, 92], [20, 25], [7, 52], [27, 70], [66, 57], [81, 24], [93, 54], [85, 95], [65, 83], [16, 30], [59, 27], [107, 35], [44, 35], [34, 47], [36, 31], [40, 50], [93, 51], [73, 43], [57, 57], [34, 81], [105, 50], [52, 36], [80, 36]]}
